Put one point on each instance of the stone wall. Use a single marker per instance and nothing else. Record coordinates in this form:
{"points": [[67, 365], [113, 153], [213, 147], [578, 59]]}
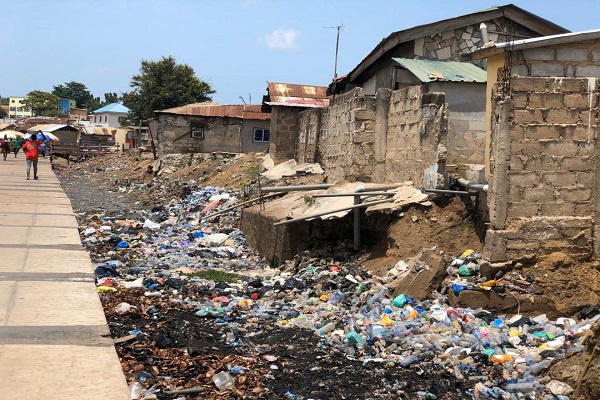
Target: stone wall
{"points": [[450, 44], [390, 137], [543, 172], [284, 132]]}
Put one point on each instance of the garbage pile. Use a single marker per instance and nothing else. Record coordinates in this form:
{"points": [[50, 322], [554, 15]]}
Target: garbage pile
{"points": [[194, 312]]}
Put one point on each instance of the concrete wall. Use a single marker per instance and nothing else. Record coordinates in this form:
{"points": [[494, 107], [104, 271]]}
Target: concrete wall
{"points": [[416, 136], [224, 134], [310, 130], [284, 132], [543, 169], [390, 137], [466, 120], [566, 60]]}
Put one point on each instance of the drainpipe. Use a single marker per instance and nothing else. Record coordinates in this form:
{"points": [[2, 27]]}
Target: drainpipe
{"points": [[480, 187], [357, 201]]}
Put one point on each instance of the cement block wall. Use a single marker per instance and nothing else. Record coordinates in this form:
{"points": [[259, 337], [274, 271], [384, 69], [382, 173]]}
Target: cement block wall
{"points": [[310, 127], [390, 137], [417, 128], [543, 176], [572, 60], [284, 132]]}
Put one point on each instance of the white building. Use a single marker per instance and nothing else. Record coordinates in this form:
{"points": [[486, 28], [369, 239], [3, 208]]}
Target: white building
{"points": [[16, 108], [110, 115]]}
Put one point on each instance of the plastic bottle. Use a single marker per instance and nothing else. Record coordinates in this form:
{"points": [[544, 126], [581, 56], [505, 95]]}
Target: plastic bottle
{"points": [[523, 387], [135, 390], [538, 367], [223, 380], [501, 358], [406, 361], [375, 298], [326, 328]]}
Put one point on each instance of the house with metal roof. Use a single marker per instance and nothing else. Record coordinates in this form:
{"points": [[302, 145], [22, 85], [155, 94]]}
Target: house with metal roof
{"points": [[443, 40], [285, 102], [110, 115], [211, 127]]}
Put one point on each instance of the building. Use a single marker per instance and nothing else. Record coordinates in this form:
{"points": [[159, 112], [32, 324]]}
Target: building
{"points": [[17, 109], [285, 102], [111, 115], [444, 40], [77, 114], [543, 147], [209, 127]]}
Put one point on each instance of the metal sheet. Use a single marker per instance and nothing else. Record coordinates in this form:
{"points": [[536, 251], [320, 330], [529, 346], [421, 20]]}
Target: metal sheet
{"points": [[444, 71]]}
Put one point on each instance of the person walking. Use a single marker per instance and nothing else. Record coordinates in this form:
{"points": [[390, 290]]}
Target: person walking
{"points": [[31, 154], [16, 146], [5, 147]]}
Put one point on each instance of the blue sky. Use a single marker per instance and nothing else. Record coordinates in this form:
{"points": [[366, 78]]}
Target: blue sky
{"points": [[235, 45]]}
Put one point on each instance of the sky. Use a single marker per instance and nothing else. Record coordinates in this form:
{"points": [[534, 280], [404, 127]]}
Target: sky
{"points": [[235, 45]]}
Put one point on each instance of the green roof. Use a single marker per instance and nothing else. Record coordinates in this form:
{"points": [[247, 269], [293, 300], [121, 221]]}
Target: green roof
{"points": [[444, 71]]}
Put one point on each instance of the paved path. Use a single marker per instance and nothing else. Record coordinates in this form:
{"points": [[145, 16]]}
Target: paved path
{"points": [[54, 342]]}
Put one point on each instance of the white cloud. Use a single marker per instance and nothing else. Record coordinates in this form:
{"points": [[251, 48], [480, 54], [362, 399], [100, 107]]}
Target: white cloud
{"points": [[282, 39]]}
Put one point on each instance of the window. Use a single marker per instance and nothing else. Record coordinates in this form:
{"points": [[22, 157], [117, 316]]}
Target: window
{"points": [[105, 118], [261, 135], [12, 101], [197, 131]]}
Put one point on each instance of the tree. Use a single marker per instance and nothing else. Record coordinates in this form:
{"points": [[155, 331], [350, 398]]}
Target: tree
{"points": [[163, 84], [3, 113], [42, 103], [110, 98], [78, 92]]}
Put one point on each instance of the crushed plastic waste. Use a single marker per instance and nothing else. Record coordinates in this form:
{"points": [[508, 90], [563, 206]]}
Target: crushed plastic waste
{"points": [[174, 257]]}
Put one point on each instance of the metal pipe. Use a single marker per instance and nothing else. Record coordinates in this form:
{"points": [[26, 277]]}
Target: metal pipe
{"points": [[357, 201], [367, 204], [480, 187], [296, 188], [239, 205], [353, 194], [184, 391], [461, 192]]}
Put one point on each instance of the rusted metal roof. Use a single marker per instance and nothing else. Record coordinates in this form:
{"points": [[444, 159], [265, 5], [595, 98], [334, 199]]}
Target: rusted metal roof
{"points": [[294, 95], [243, 111], [102, 131], [445, 71]]}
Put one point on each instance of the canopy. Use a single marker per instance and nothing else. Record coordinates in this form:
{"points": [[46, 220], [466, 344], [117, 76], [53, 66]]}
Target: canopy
{"points": [[46, 135], [10, 134]]}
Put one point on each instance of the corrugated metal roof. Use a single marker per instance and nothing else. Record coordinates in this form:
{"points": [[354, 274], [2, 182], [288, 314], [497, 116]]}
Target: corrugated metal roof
{"points": [[243, 111], [102, 131], [294, 95], [449, 71], [49, 128]]}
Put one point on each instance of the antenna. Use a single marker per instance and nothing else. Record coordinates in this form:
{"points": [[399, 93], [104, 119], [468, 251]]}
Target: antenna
{"points": [[337, 45]]}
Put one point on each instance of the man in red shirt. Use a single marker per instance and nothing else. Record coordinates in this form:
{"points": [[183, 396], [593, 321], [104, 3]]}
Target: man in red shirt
{"points": [[31, 154]]}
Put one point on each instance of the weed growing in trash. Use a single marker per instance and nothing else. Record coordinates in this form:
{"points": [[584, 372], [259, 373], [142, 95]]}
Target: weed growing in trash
{"points": [[214, 275]]}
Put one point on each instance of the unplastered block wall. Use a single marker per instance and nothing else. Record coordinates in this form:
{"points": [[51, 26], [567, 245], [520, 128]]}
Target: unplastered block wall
{"points": [[543, 169], [284, 132], [569, 60], [309, 131], [345, 146], [417, 128]]}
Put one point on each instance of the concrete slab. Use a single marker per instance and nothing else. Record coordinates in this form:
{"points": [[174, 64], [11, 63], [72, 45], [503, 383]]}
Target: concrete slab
{"points": [[54, 341], [49, 303], [60, 372]]}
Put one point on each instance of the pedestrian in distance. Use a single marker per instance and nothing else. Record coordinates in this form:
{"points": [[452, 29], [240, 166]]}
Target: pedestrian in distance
{"points": [[31, 154], [16, 146], [5, 147]]}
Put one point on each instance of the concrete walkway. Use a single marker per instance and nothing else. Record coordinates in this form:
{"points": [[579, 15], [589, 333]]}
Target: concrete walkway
{"points": [[54, 341]]}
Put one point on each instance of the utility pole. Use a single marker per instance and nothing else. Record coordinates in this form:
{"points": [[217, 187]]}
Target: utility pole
{"points": [[337, 45]]}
